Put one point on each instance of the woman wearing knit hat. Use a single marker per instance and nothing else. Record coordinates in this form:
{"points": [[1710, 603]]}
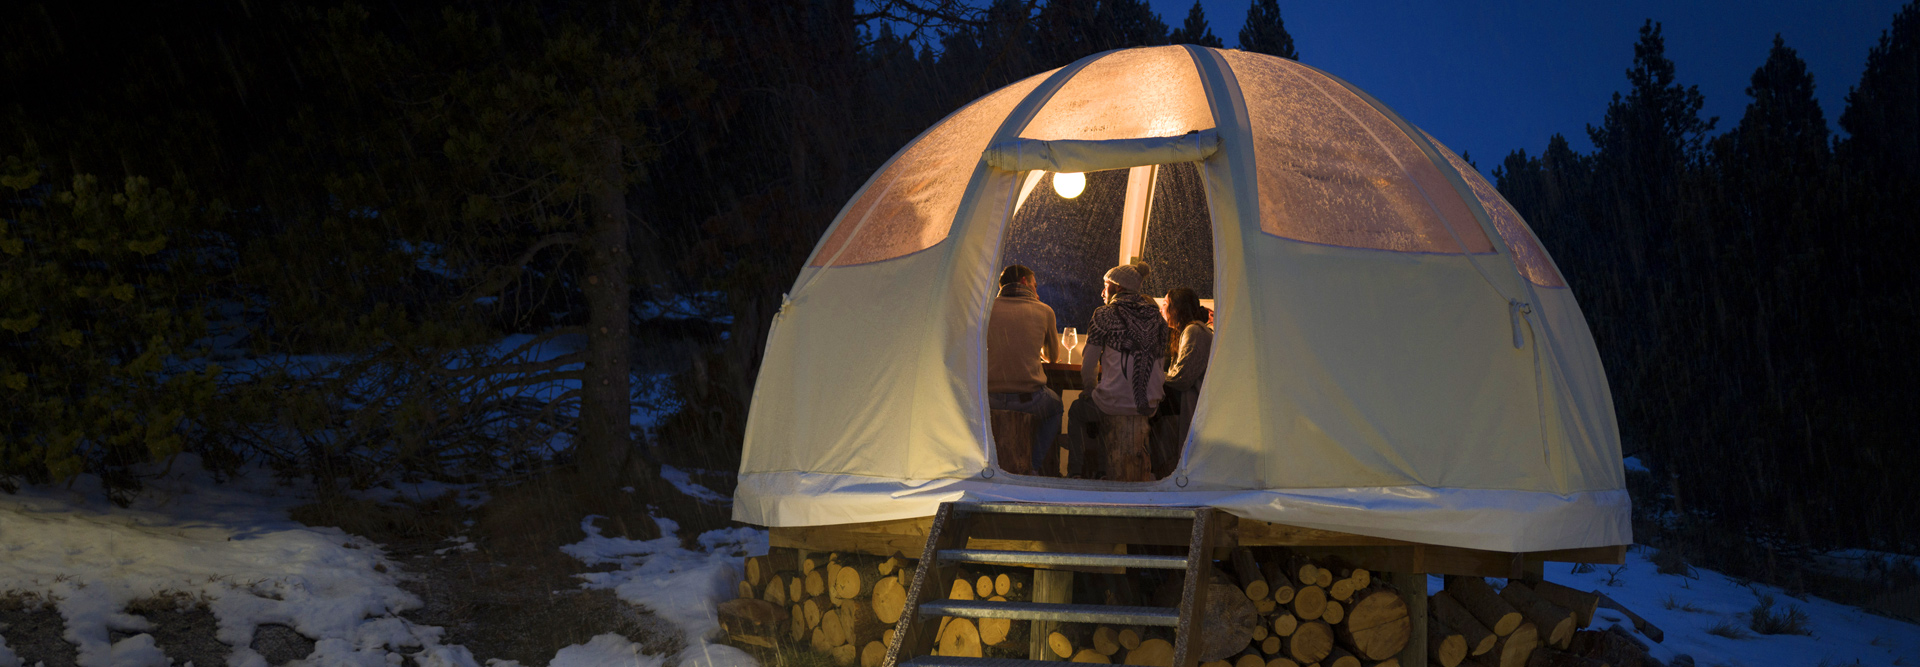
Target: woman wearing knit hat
{"points": [[1126, 367]]}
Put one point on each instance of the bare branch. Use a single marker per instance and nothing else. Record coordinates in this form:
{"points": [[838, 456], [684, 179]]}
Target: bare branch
{"points": [[949, 12], [512, 270]]}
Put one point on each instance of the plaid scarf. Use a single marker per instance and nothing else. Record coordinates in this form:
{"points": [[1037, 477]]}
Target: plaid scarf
{"points": [[1131, 324]]}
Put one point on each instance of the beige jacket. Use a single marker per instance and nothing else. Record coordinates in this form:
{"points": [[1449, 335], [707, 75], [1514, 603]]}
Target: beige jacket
{"points": [[1020, 331]]}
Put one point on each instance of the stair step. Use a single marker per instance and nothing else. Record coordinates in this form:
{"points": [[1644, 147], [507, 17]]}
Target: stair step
{"points": [[993, 557], [1066, 613], [945, 661], [1120, 511]]}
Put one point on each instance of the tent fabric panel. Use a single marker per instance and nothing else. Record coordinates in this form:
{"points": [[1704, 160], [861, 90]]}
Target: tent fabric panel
{"points": [[1583, 401], [1071, 156], [1374, 369], [1332, 171], [1163, 98], [909, 205], [1496, 520], [841, 387], [1233, 203], [1527, 253]]}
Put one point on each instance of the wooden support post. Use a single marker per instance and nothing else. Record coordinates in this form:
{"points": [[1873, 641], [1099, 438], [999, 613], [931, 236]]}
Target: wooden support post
{"points": [[1055, 586], [1413, 589], [1534, 570]]}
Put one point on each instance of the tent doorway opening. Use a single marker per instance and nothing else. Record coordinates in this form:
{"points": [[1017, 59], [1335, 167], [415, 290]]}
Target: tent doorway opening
{"points": [[1156, 214]]}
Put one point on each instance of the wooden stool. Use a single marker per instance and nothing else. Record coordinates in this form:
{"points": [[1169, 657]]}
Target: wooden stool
{"points": [[1168, 436], [1013, 440], [1124, 437]]}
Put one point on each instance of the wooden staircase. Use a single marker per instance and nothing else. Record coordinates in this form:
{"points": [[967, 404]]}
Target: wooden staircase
{"points": [[1199, 528]]}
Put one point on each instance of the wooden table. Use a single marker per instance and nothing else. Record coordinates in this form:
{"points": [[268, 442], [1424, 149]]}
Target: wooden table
{"points": [[1062, 377]]}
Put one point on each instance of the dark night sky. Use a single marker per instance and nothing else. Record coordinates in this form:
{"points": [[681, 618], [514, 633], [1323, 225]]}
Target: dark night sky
{"points": [[1490, 76]]}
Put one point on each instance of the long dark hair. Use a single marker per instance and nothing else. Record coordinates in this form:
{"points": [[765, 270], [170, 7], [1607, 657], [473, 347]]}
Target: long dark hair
{"points": [[1183, 307]]}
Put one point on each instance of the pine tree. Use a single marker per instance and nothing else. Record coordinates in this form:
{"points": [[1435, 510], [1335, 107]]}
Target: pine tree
{"points": [[1644, 147], [1067, 30], [1881, 153], [1776, 158], [1882, 117], [1767, 280], [1130, 23], [1877, 191], [101, 290], [1265, 32], [1195, 30]]}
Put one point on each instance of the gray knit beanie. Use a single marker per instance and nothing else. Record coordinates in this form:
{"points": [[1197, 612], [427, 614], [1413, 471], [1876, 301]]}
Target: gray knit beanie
{"points": [[1128, 277]]}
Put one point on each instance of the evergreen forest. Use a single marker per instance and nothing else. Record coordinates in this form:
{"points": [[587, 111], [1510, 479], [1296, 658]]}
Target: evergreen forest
{"points": [[338, 238]]}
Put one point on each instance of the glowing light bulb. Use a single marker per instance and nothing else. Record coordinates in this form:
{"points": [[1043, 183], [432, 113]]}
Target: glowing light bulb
{"points": [[1069, 185]]}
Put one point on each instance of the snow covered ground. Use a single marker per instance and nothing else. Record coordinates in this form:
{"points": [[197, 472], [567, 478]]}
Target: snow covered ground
{"points": [[1685, 608], [233, 545]]}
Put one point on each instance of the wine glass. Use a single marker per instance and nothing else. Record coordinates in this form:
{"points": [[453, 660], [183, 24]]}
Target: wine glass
{"points": [[1069, 338]]}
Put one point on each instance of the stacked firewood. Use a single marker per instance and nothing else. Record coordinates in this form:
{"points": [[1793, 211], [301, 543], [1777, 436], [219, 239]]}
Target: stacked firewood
{"points": [[1522, 624], [1274, 609], [843, 605], [985, 637], [1314, 611]]}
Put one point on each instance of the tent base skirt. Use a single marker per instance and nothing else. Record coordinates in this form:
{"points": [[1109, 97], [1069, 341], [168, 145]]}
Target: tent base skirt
{"points": [[1511, 522]]}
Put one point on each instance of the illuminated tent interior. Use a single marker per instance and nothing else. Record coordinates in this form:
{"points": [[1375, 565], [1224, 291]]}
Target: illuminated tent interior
{"points": [[1395, 354]]}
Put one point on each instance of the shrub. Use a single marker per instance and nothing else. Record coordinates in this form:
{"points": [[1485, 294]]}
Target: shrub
{"points": [[1669, 561], [1673, 603], [1765, 620], [1728, 629]]}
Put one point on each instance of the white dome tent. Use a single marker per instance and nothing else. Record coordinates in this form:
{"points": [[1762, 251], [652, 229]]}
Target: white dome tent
{"points": [[1396, 356]]}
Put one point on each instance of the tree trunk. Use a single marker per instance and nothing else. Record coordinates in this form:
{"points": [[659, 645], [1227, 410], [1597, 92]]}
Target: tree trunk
{"points": [[606, 413]]}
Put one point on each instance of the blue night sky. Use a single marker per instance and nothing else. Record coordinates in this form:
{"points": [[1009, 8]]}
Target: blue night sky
{"points": [[1491, 76]]}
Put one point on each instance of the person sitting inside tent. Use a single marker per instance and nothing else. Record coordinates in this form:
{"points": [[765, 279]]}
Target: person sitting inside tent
{"points": [[1126, 365], [1193, 346], [1020, 336]]}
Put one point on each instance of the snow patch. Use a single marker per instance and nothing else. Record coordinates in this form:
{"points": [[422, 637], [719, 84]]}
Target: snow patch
{"points": [[231, 544], [608, 650], [681, 586], [1841, 634]]}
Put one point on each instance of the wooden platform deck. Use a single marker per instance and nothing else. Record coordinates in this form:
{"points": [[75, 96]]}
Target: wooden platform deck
{"points": [[907, 537]]}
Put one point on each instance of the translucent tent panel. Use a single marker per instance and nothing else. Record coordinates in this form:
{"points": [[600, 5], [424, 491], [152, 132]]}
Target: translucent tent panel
{"points": [[1179, 241], [1163, 98], [1069, 243], [1333, 170], [910, 206], [1527, 253]]}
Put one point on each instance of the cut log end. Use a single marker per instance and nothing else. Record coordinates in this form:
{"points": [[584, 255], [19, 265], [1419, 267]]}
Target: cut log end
{"points": [[873, 654], [1152, 653], [1309, 602], [960, 639], [1378, 626], [1092, 656], [1061, 646], [1311, 642], [889, 600]]}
